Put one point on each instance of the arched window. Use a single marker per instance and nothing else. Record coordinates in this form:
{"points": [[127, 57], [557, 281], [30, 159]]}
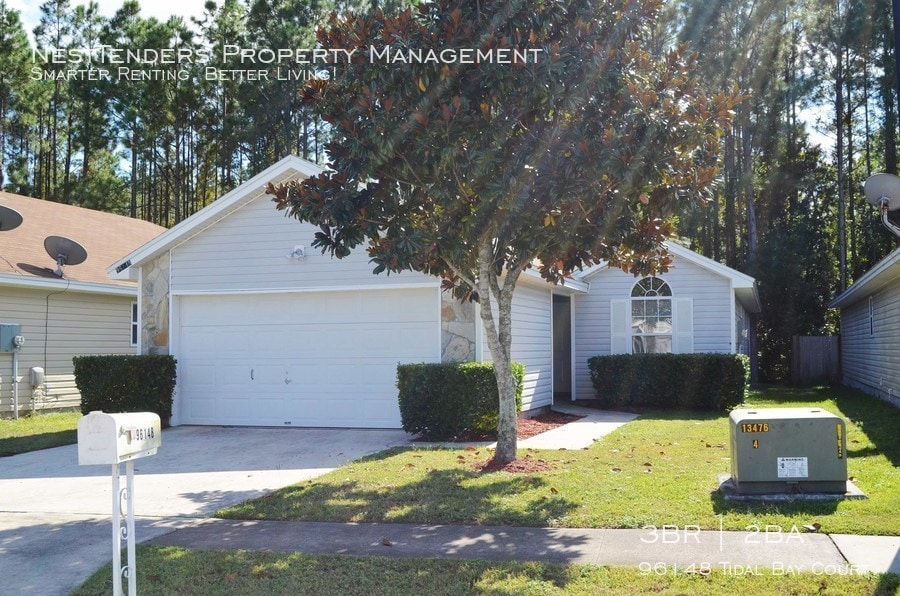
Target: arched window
{"points": [[651, 317]]}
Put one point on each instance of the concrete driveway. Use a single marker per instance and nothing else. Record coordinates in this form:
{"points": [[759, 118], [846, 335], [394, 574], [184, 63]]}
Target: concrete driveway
{"points": [[55, 527]]}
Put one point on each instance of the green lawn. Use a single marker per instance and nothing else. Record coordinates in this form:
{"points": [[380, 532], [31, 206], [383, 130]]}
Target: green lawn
{"points": [[171, 570], [41, 431], [659, 469]]}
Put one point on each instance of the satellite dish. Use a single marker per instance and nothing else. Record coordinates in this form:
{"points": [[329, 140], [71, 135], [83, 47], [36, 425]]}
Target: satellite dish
{"points": [[883, 187], [65, 251], [883, 191], [10, 219]]}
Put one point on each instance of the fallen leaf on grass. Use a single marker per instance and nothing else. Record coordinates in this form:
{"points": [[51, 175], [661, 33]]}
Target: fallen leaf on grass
{"points": [[469, 448], [231, 576], [616, 470], [554, 491], [646, 463]]}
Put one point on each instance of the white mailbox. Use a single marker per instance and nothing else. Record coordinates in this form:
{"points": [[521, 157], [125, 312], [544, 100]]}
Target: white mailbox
{"points": [[115, 438]]}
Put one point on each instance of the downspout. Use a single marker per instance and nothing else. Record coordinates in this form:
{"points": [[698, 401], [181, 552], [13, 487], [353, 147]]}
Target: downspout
{"points": [[46, 390], [15, 372]]}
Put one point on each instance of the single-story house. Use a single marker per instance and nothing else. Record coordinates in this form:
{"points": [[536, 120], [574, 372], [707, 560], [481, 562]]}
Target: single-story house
{"points": [[83, 312], [268, 332], [870, 330]]}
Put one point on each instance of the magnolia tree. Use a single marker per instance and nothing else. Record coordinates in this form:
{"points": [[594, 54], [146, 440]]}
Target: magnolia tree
{"points": [[473, 140]]}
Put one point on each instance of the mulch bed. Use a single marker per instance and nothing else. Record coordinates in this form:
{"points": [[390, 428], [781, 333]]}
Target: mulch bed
{"points": [[528, 427], [525, 427], [523, 465]]}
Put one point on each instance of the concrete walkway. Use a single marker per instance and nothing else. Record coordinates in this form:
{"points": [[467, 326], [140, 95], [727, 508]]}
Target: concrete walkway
{"points": [[732, 552], [580, 434]]}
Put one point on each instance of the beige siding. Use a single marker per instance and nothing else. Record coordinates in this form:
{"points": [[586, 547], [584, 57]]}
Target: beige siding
{"points": [[78, 324], [871, 361]]}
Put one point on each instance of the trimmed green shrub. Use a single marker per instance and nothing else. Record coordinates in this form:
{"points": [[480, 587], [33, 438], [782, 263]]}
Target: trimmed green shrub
{"points": [[126, 384], [716, 382], [443, 401]]}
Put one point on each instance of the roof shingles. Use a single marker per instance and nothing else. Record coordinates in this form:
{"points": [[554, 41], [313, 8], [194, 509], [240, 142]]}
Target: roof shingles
{"points": [[106, 237]]}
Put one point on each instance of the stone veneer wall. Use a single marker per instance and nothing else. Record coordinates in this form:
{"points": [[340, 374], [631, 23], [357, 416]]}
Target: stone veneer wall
{"points": [[155, 306], [457, 329]]}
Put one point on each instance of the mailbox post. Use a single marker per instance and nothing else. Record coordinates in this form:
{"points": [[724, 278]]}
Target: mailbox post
{"points": [[113, 439]]}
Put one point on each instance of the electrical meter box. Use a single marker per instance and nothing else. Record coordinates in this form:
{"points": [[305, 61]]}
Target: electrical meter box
{"points": [[116, 438], [788, 450], [8, 333]]}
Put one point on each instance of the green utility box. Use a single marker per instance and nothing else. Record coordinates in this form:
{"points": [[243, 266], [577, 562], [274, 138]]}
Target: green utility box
{"points": [[788, 450]]}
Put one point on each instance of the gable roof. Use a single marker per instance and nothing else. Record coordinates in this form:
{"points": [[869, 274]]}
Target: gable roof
{"points": [[285, 169], [884, 272], [744, 286], [105, 236]]}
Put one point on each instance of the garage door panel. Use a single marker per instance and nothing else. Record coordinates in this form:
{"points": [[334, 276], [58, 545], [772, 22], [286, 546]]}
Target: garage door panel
{"points": [[317, 359], [200, 376], [202, 407], [235, 408]]}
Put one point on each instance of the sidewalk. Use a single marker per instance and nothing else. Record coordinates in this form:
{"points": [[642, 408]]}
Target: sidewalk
{"points": [[664, 548], [682, 549]]}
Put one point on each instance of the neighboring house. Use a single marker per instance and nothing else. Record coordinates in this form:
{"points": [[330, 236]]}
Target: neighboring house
{"points": [[83, 313], [270, 332], [870, 330]]}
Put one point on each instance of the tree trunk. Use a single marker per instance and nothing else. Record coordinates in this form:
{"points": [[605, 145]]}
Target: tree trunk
{"points": [[749, 194], [499, 339], [839, 158], [730, 192]]}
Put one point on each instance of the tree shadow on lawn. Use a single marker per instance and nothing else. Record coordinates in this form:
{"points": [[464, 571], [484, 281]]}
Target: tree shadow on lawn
{"points": [[876, 418], [459, 495], [13, 445]]}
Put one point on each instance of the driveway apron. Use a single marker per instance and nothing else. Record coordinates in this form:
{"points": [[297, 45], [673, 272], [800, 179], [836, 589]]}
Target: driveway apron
{"points": [[55, 527]]}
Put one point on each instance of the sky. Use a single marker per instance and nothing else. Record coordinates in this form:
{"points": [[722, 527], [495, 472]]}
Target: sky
{"points": [[161, 9]]}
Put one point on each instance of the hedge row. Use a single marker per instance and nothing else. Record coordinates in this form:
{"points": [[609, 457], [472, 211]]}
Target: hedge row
{"points": [[126, 384], [715, 382], [444, 401]]}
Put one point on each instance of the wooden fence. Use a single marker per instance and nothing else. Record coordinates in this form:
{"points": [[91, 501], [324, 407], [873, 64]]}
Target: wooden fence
{"points": [[815, 360]]}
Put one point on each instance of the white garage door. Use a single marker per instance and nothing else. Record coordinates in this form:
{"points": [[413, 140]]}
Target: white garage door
{"points": [[305, 359]]}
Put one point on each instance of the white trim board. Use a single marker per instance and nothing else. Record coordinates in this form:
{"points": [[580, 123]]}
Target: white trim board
{"points": [[353, 288]]}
